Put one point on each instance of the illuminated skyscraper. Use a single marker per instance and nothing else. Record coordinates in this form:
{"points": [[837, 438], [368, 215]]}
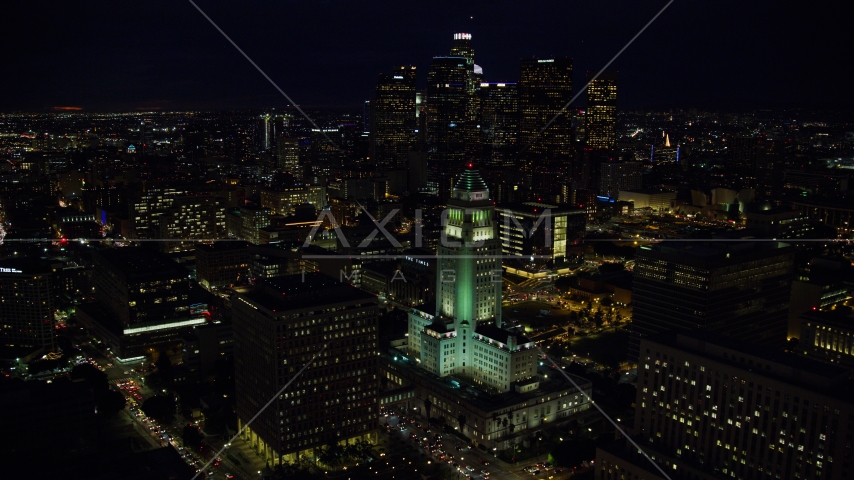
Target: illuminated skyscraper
{"points": [[287, 156], [27, 292], [447, 120], [545, 88], [278, 327], [499, 123], [263, 126], [393, 123], [601, 111], [463, 47]]}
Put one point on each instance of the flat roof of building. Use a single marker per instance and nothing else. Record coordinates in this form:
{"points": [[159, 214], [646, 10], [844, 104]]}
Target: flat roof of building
{"points": [[488, 402], [536, 208], [834, 378], [296, 292], [649, 191], [489, 330], [139, 262]]}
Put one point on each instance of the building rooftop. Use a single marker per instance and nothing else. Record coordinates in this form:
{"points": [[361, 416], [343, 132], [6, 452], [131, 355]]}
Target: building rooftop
{"points": [[296, 292], [138, 262], [787, 367], [470, 181], [718, 253], [649, 191], [222, 245], [489, 330], [24, 265], [535, 208], [473, 395]]}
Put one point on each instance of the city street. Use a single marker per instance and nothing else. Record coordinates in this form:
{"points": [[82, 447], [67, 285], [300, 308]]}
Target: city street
{"points": [[474, 457]]}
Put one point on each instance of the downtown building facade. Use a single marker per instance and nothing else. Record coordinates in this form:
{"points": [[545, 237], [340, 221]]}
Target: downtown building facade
{"points": [[499, 123], [393, 124], [143, 302], [540, 231], [545, 89], [601, 113], [278, 328], [459, 358], [453, 134], [740, 289], [27, 293], [710, 407]]}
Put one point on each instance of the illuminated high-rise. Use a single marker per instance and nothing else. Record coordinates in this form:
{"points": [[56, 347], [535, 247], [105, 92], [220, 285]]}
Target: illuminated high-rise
{"points": [[499, 123], [601, 112], [393, 124], [463, 47], [448, 120], [545, 88], [278, 327], [27, 292], [287, 156]]}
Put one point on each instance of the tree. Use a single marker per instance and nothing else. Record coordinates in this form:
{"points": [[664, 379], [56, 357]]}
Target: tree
{"points": [[191, 436], [462, 421], [86, 371], [110, 403], [428, 405], [164, 368], [607, 302], [159, 407], [598, 318], [505, 422]]}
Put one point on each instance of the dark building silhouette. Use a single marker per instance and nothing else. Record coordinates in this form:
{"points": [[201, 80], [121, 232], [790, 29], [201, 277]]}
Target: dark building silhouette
{"points": [[545, 88], [737, 289]]}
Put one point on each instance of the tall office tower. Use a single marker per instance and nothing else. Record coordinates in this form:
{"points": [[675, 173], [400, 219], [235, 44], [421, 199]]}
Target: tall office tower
{"points": [[499, 123], [448, 120], [710, 407], [139, 288], [145, 136], [279, 126], [601, 112], [614, 177], [263, 127], [463, 47], [27, 293], [323, 154], [281, 325], [287, 156], [741, 158], [736, 289], [545, 88], [393, 118], [366, 117]]}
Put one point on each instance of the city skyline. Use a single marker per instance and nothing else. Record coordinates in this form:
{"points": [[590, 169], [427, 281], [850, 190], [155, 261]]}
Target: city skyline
{"points": [[183, 63], [319, 240]]}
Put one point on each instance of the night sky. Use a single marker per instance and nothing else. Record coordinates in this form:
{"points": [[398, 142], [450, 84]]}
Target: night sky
{"points": [[130, 54]]}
